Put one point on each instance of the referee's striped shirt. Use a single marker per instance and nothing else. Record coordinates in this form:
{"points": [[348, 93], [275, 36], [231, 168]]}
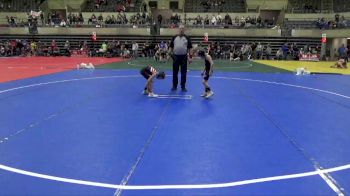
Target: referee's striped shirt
{"points": [[180, 44]]}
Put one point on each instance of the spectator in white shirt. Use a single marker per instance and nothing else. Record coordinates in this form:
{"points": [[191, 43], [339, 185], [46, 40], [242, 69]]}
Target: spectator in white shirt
{"points": [[135, 48], [213, 20]]}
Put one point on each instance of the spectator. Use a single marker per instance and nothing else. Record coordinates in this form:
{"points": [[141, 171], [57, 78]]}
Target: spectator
{"points": [[198, 20], [279, 54], [33, 48], [228, 19], [219, 18], [343, 52], [268, 52], [63, 23], [160, 18], [100, 18], [242, 22], [2, 50], [67, 48], [102, 51], [259, 51], [285, 50], [125, 53], [206, 20], [135, 49], [213, 20], [53, 46]]}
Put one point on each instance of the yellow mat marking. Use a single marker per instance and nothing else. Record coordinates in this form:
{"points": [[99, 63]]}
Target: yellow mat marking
{"points": [[319, 67]]}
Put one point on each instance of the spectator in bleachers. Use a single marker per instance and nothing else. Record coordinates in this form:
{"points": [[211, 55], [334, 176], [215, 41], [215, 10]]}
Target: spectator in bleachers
{"points": [[92, 19], [343, 53], [285, 50], [228, 19], [125, 52], [294, 50], [63, 23], [42, 19], [100, 18], [45, 48], [242, 22], [2, 50], [49, 18], [219, 18], [279, 54], [247, 51], [144, 6], [206, 20], [114, 20], [259, 51], [213, 20], [198, 20], [67, 48], [336, 18], [108, 20], [253, 20], [175, 19], [248, 19], [102, 51], [268, 52], [111, 49], [259, 22], [84, 47], [120, 8], [135, 49], [53, 47], [80, 18], [160, 19], [33, 48], [11, 21]]}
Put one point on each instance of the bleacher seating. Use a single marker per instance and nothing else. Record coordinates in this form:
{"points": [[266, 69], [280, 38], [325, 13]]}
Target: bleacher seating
{"points": [[275, 43], [312, 23], [304, 6], [236, 6], [341, 6], [20, 5], [113, 5]]}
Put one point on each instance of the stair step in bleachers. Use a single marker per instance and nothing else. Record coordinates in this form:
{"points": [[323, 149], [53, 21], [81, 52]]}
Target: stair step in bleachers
{"points": [[20, 5]]}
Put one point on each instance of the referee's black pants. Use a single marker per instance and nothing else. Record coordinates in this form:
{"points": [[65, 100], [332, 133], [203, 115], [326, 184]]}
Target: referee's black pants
{"points": [[179, 61]]}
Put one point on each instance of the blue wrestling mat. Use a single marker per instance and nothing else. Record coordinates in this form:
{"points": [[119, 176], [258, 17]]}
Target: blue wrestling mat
{"points": [[89, 132]]}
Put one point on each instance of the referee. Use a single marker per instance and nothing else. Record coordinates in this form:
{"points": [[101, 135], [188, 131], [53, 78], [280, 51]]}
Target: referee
{"points": [[180, 50]]}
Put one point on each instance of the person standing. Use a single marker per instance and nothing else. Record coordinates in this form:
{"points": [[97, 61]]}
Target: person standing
{"points": [[135, 49], [181, 51], [206, 73], [268, 52]]}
